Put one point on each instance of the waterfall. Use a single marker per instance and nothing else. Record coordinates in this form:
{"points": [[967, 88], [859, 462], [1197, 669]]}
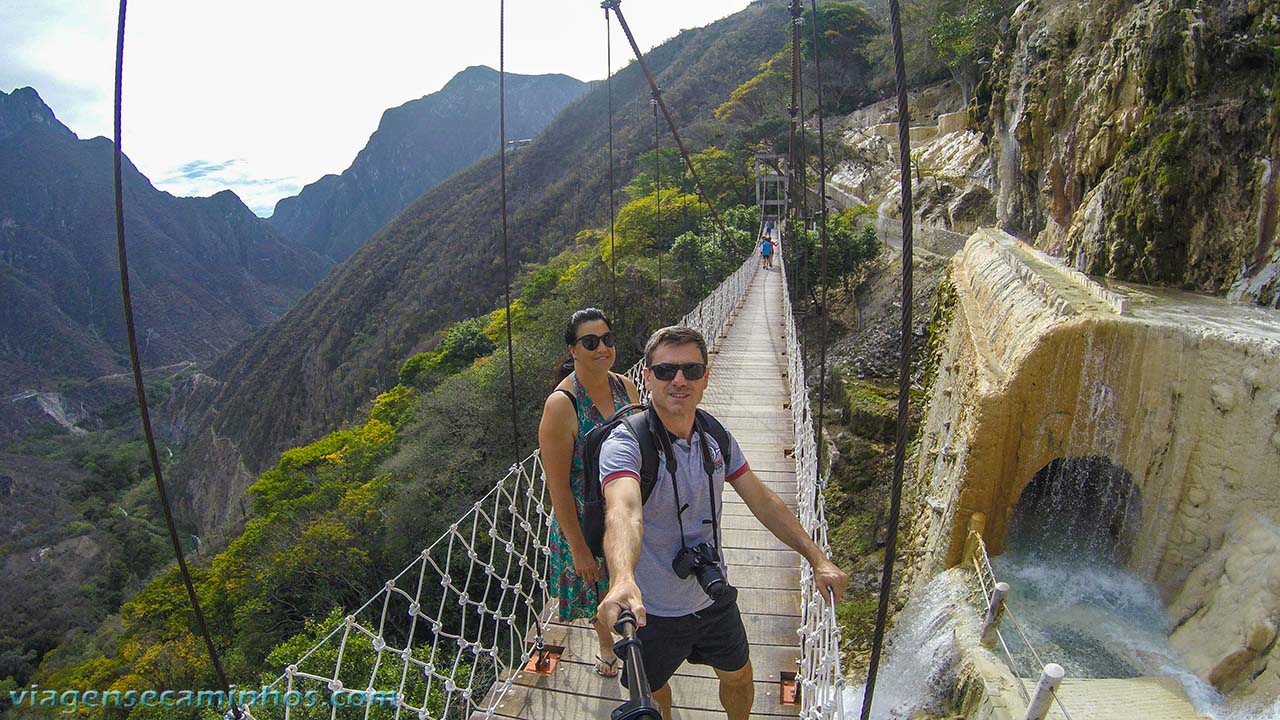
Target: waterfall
{"points": [[1080, 607], [1009, 204], [920, 659]]}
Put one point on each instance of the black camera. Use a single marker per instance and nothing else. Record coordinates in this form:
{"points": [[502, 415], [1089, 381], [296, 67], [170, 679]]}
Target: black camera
{"points": [[703, 562]]}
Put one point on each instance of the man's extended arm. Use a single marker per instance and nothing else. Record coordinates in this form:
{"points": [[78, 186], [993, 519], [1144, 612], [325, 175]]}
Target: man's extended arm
{"points": [[623, 533], [774, 515]]}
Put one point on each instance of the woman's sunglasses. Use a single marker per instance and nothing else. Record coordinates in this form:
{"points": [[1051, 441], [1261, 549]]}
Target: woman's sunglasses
{"points": [[591, 342], [666, 372]]}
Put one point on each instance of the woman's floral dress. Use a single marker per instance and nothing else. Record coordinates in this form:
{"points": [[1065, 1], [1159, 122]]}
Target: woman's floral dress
{"points": [[578, 599]]}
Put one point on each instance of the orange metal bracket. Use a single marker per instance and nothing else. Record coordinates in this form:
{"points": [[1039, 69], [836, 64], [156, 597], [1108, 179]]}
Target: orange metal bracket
{"points": [[544, 661], [790, 689]]}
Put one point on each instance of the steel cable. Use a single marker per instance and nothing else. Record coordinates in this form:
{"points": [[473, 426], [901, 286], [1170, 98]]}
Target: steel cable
{"points": [[904, 364], [671, 124], [506, 257], [822, 220], [608, 83], [135, 362]]}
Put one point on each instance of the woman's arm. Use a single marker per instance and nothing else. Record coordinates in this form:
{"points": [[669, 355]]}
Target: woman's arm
{"points": [[556, 435]]}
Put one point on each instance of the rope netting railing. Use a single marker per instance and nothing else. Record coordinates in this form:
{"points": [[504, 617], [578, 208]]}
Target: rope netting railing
{"points": [[438, 637], [821, 679], [994, 602], [444, 639]]}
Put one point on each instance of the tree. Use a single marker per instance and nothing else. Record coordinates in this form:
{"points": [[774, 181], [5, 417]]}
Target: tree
{"points": [[964, 37], [464, 342], [672, 168], [767, 92], [726, 177], [845, 34], [849, 248], [643, 221]]}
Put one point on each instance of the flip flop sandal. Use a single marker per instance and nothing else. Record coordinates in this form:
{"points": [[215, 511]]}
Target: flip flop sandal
{"points": [[612, 665]]}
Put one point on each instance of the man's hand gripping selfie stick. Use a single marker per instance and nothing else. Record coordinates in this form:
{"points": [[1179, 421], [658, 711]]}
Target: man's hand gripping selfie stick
{"points": [[640, 706]]}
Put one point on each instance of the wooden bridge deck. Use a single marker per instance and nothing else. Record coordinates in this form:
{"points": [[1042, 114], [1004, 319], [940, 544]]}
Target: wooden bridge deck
{"points": [[748, 392]]}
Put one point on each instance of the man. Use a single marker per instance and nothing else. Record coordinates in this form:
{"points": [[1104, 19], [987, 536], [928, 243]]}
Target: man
{"points": [[678, 620]]}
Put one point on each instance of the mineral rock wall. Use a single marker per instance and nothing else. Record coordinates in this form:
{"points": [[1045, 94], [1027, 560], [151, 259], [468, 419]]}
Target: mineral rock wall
{"points": [[1138, 139], [1181, 390]]}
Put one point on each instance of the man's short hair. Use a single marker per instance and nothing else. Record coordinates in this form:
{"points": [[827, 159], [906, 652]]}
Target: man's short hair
{"points": [[674, 335]]}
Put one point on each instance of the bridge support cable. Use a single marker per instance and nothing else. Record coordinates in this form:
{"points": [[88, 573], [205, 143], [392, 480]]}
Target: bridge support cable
{"points": [[793, 110], [657, 213], [904, 362], [657, 95], [822, 225], [135, 362], [613, 213], [821, 679], [448, 634], [506, 255]]}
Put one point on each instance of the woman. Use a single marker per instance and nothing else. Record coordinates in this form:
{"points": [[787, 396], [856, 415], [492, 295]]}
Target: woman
{"points": [[586, 395]]}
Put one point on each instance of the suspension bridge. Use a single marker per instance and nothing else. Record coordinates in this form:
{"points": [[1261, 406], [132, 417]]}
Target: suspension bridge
{"points": [[467, 631]]}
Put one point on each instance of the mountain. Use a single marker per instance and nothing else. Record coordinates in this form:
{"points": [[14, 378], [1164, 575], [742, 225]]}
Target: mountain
{"points": [[440, 260], [416, 146], [204, 271]]}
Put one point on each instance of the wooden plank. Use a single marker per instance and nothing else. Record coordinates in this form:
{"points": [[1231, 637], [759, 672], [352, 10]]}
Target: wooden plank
{"points": [[752, 539], [762, 558], [687, 691], [774, 645], [773, 602], [739, 509], [528, 703], [746, 576], [763, 629]]}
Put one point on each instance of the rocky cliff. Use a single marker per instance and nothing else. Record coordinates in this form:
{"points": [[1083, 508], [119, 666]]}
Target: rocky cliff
{"points": [[416, 146], [1139, 139]]}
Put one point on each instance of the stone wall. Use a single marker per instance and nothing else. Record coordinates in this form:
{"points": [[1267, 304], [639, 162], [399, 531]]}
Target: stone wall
{"points": [[1181, 390]]}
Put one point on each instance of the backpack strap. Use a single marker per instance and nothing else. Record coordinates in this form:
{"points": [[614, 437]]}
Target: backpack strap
{"points": [[716, 430], [640, 427]]}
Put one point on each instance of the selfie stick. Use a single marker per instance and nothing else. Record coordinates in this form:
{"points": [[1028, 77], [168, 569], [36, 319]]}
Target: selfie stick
{"points": [[640, 706]]}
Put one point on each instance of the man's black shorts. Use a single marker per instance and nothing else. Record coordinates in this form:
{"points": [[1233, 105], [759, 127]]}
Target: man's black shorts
{"points": [[714, 637]]}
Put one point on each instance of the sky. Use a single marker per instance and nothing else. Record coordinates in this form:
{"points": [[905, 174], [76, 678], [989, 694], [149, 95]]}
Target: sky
{"points": [[265, 96]]}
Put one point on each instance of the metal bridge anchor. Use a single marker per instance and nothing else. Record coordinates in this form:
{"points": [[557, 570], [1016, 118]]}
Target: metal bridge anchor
{"points": [[545, 658]]}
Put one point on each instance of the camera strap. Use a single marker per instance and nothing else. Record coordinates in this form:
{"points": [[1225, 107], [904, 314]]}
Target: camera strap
{"points": [[658, 430], [708, 466]]}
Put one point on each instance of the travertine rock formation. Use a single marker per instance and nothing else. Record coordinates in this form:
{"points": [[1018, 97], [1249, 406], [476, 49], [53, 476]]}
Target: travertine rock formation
{"points": [[1181, 391]]}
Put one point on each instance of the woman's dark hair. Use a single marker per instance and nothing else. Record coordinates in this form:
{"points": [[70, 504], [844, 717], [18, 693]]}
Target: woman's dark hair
{"points": [[564, 365]]}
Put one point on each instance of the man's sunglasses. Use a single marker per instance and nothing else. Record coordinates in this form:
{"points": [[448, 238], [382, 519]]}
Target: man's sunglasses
{"points": [[591, 342], [666, 372]]}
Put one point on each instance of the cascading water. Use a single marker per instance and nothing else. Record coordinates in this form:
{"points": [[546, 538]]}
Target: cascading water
{"points": [[1009, 209], [920, 659], [1072, 596]]}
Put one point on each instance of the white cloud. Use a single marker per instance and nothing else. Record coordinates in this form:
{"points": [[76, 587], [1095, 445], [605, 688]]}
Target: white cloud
{"points": [[291, 89]]}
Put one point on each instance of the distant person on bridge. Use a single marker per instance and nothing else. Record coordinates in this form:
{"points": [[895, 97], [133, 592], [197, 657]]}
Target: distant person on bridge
{"points": [[664, 555], [766, 252], [586, 394]]}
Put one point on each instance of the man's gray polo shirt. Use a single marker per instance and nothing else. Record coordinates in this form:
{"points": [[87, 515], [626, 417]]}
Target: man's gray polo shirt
{"points": [[664, 593]]}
